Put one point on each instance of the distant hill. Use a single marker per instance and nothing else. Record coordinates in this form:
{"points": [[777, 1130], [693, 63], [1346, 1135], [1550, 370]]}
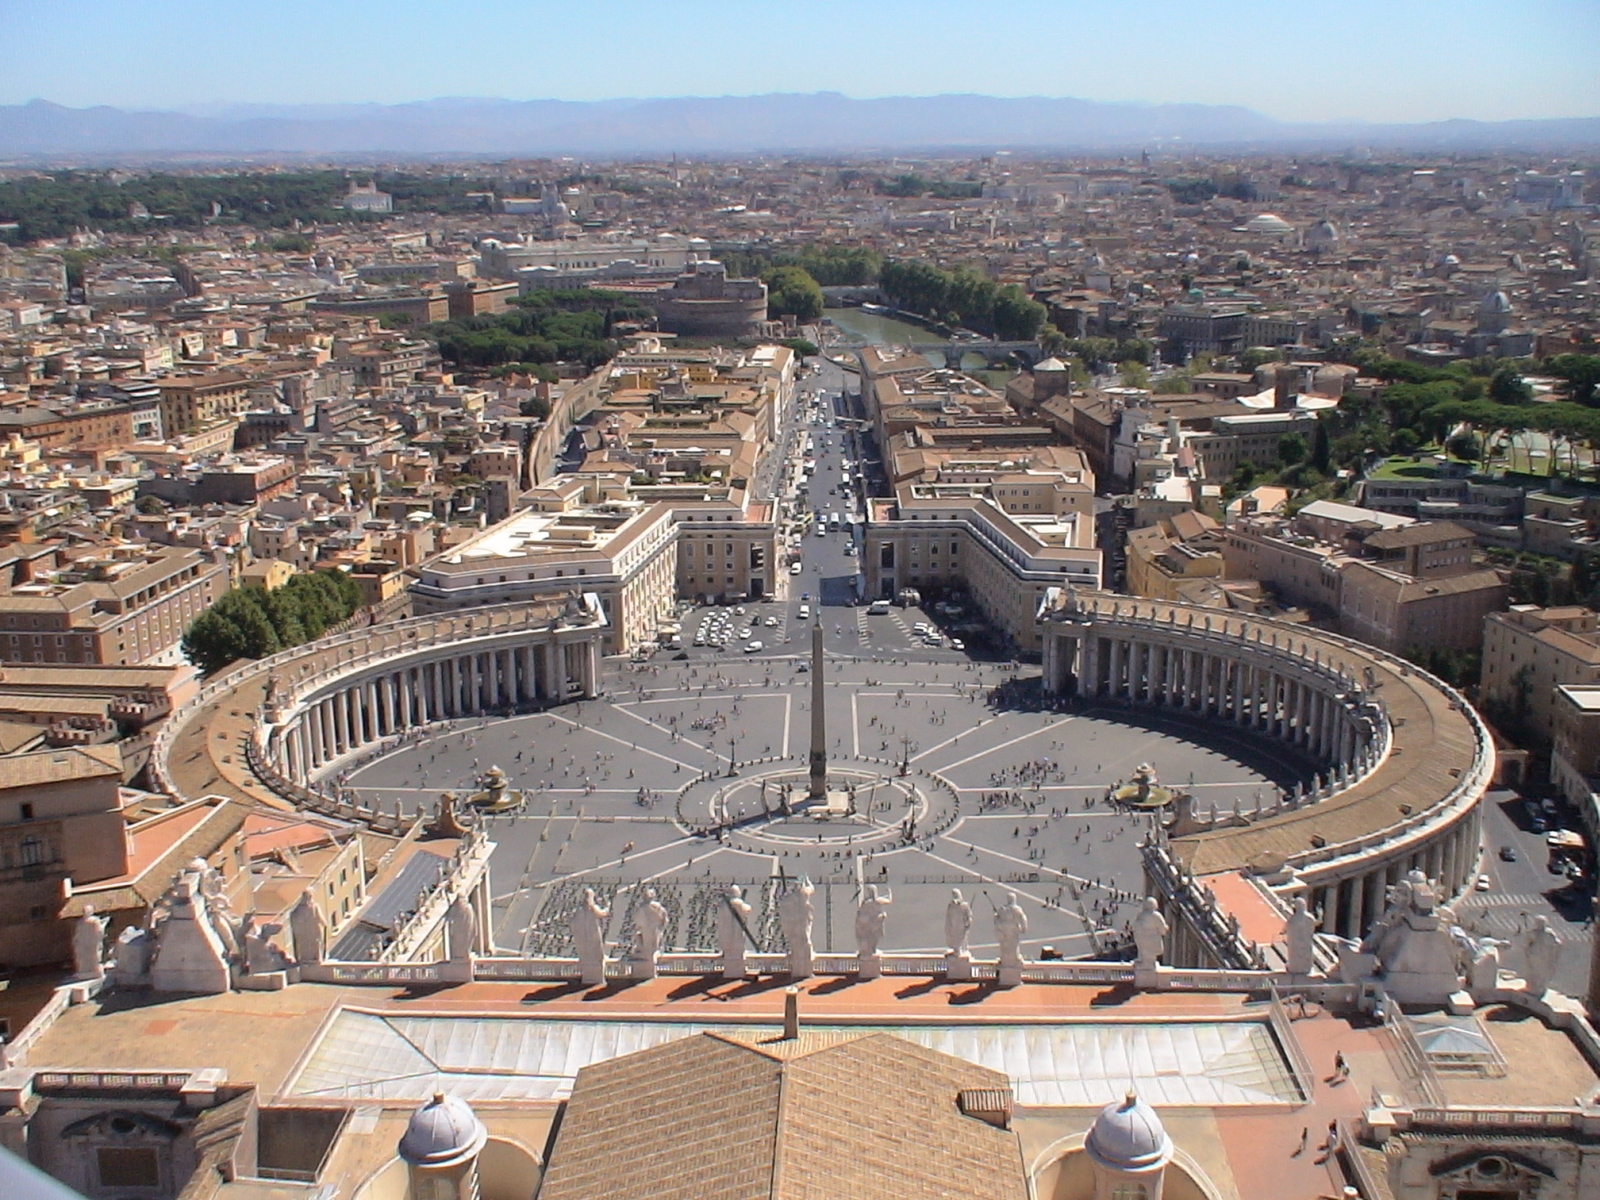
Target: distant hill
{"points": [[817, 123]]}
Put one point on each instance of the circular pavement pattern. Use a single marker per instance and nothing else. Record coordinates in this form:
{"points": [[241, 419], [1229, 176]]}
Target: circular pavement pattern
{"points": [[688, 776]]}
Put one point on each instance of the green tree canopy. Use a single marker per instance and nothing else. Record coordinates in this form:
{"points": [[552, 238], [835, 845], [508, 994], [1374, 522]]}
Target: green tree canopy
{"points": [[792, 292], [252, 622]]}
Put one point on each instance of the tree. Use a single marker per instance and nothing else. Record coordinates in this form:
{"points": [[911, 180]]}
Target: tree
{"points": [[1405, 441], [791, 292], [1321, 448], [150, 506], [534, 406], [1465, 445], [1581, 373], [1292, 449], [1506, 387], [1134, 374]]}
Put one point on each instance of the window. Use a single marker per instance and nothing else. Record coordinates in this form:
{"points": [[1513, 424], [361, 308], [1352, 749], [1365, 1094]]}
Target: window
{"points": [[31, 851], [128, 1166], [27, 811]]}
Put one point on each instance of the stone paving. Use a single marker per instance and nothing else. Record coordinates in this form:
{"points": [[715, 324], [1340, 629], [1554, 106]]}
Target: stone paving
{"points": [[960, 778]]}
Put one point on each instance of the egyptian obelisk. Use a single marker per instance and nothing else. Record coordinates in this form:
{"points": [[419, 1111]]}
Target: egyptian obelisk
{"points": [[819, 721]]}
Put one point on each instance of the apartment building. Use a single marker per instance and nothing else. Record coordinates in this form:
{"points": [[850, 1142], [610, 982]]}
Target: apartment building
{"points": [[1529, 653], [190, 403], [1575, 752], [127, 604], [1403, 589]]}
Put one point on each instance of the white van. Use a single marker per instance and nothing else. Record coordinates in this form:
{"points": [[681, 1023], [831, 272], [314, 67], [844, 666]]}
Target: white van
{"points": [[878, 608], [805, 611]]}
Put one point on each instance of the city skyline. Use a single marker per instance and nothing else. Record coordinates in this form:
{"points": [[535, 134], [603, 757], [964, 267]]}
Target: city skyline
{"points": [[1362, 62]]}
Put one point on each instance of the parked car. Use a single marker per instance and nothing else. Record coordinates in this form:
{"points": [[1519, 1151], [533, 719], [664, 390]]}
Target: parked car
{"points": [[752, 647], [1484, 883]]}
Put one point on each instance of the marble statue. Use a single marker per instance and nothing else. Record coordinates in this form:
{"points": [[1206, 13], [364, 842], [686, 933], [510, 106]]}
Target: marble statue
{"points": [[1149, 935], [1415, 948], [191, 954], [796, 915], [871, 916], [1541, 955], [88, 936], [1484, 971], [733, 923], [130, 957], [650, 930], [957, 925], [461, 929], [261, 956], [306, 929], [1010, 926], [1299, 933], [589, 935]]}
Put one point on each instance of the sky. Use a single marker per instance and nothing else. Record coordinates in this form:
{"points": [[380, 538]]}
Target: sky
{"points": [[1301, 60]]}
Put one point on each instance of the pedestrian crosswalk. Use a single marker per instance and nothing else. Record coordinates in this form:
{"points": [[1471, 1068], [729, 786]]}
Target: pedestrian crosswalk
{"points": [[863, 628], [1527, 900]]}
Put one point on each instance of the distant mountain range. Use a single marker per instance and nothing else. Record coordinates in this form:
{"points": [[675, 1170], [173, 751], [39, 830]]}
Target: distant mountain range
{"points": [[821, 122]]}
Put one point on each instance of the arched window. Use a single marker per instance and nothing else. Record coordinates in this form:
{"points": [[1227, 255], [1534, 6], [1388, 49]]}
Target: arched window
{"points": [[1129, 1191]]}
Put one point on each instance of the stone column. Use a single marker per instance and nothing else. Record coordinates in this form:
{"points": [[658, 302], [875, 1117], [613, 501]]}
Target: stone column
{"points": [[591, 650], [1117, 646], [1358, 901], [1330, 908], [341, 723]]}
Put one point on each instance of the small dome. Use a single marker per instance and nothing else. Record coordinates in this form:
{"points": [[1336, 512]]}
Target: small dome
{"points": [[1128, 1136], [1050, 364], [1495, 302], [1268, 223], [442, 1132]]}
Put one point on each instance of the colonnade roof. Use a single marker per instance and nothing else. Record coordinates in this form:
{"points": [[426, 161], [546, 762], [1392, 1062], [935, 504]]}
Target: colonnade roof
{"points": [[1436, 742], [207, 755]]}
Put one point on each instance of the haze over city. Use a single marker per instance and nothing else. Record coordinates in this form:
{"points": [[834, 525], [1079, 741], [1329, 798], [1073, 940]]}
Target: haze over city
{"points": [[1366, 60]]}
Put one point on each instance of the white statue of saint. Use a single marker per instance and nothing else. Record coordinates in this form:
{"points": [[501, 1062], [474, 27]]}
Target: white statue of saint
{"points": [[1010, 927], [871, 916], [1541, 955], [88, 936], [733, 923], [1149, 935], [650, 930], [957, 924], [461, 929], [589, 936], [796, 915], [1299, 932]]}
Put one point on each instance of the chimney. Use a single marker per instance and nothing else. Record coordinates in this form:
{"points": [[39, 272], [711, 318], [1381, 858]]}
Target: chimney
{"points": [[992, 1105], [791, 1013]]}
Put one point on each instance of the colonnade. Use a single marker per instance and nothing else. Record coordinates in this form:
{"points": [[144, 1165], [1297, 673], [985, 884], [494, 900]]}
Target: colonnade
{"points": [[1276, 695], [444, 683], [1401, 794]]}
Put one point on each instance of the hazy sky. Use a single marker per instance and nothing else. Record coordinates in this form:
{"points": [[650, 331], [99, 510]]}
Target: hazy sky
{"points": [[1381, 60]]}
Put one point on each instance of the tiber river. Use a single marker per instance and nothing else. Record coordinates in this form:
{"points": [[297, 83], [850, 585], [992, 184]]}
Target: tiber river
{"points": [[876, 329]]}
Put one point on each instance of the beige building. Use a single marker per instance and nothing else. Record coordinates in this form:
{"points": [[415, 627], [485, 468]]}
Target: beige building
{"points": [[126, 604], [1402, 589], [61, 819], [1163, 558], [1530, 652], [623, 551], [190, 403], [1575, 753]]}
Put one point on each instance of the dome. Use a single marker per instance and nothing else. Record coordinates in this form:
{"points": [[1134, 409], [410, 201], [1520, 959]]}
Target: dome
{"points": [[1128, 1136], [442, 1133], [1495, 302], [1050, 364], [1268, 223], [1322, 234]]}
